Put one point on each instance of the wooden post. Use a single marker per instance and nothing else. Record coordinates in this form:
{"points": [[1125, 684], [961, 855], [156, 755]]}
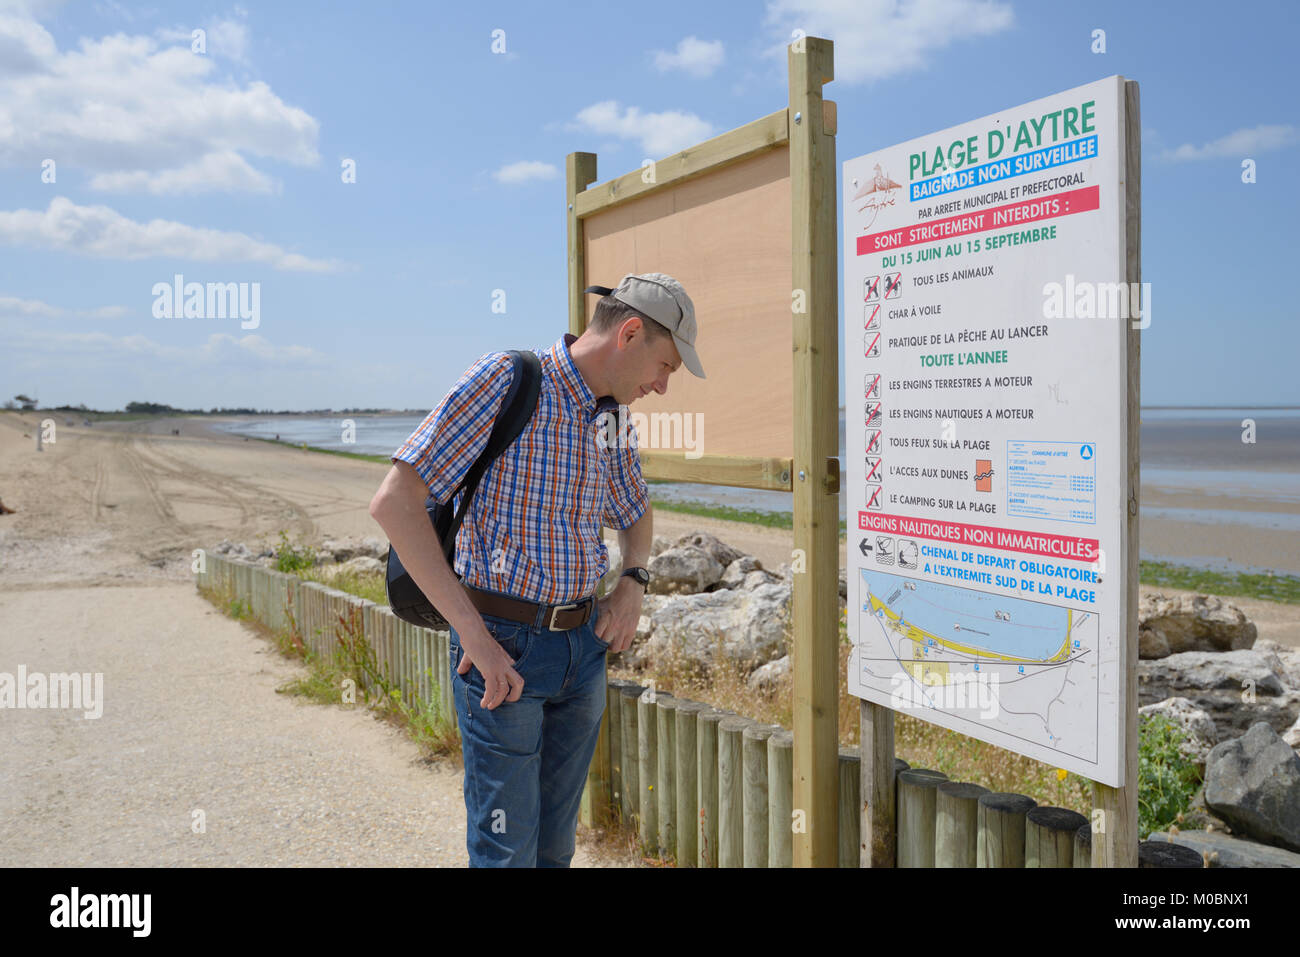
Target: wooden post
{"points": [[443, 671], [917, 794], [614, 709], [579, 173], [666, 789], [1049, 836], [706, 766], [1001, 823], [1083, 846], [371, 625], [647, 772], [879, 785], [630, 801], [780, 799], [956, 827], [754, 798], [814, 612], [1116, 809], [851, 847], [731, 791], [687, 779], [404, 665]]}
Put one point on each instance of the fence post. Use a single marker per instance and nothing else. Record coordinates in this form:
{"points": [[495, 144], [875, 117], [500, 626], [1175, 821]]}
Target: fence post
{"points": [[956, 828], [666, 789], [1083, 846], [614, 715], [687, 780], [1049, 836], [731, 791], [780, 799], [630, 799], [647, 772], [916, 812], [850, 853], [753, 753], [706, 768], [1001, 824]]}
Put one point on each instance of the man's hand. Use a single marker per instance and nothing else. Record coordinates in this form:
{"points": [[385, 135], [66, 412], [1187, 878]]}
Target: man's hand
{"points": [[399, 509], [619, 612], [500, 680]]}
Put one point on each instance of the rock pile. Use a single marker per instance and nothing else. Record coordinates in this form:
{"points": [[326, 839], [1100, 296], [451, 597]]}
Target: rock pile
{"points": [[708, 598], [333, 556], [1238, 701]]}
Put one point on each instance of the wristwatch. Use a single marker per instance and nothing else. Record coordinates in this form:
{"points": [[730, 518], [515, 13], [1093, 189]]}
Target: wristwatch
{"points": [[640, 575]]}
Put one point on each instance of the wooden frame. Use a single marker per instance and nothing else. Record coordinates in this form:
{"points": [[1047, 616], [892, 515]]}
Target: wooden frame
{"points": [[807, 128], [1115, 810]]}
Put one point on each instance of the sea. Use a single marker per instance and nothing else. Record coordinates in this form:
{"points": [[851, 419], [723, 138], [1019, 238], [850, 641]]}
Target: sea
{"points": [[1197, 451]]}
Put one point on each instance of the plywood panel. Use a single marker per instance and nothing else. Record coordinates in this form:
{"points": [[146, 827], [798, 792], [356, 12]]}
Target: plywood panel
{"points": [[726, 237]]}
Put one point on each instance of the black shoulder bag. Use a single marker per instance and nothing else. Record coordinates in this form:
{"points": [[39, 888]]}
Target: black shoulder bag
{"points": [[405, 598]]}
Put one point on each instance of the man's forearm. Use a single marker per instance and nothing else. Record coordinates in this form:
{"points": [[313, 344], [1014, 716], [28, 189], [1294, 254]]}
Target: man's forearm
{"points": [[635, 540], [399, 509]]}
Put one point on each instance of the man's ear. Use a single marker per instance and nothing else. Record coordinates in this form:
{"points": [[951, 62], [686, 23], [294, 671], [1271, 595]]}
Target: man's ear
{"points": [[632, 326]]}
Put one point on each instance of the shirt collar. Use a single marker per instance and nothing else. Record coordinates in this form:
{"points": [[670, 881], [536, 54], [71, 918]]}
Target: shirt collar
{"points": [[575, 387]]}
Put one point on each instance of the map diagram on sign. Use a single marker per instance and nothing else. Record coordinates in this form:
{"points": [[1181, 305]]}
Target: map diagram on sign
{"points": [[1027, 669]]}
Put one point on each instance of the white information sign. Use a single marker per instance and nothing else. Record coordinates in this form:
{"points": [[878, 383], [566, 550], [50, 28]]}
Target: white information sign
{"points": [[987, 310]]}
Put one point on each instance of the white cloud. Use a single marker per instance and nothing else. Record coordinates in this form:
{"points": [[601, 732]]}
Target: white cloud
{"points": [[13, 307], [228, 38], [125, 105], [694, 56], [105, 312], [1238, 144], [875, 39], [226, 171], [26, 308], [525, 171], [659, 134], [105, 233], [218, 348]]}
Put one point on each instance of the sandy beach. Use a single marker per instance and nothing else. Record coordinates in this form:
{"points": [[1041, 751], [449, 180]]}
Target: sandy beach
{"points": [[94, 576]]}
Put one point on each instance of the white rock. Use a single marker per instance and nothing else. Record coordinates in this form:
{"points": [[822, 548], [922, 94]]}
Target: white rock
{"points": [[745, 626], [734, 574], [766, 677], [1196, 723], [682, 569]]}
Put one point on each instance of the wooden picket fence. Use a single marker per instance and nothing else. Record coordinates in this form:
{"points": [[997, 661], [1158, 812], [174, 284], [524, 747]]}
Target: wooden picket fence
{"points": [[700, 786]]}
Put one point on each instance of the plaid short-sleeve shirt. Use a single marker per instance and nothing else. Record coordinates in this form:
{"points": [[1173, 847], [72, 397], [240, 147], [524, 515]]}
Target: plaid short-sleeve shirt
{"points": [[533, 528]]}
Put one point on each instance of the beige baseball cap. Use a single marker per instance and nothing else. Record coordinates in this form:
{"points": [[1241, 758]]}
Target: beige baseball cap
{"points": [[662, 299]]}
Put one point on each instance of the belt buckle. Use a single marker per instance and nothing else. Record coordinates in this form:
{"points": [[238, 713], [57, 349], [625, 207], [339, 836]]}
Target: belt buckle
{"points": [[559, 608]]}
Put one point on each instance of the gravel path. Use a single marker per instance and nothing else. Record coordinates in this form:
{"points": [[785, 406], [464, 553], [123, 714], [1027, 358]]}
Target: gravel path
{"points": [[192, 722]]}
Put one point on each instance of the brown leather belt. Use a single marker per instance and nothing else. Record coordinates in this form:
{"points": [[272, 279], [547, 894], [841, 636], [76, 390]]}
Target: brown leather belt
{"points": [[562, 617]]}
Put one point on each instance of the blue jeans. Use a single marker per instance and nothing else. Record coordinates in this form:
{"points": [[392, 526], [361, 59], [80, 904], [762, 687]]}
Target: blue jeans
{"points": [[526, 761]]}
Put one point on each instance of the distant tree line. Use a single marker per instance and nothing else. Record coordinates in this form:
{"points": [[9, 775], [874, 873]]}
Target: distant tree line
{"points": [[158, 408]]}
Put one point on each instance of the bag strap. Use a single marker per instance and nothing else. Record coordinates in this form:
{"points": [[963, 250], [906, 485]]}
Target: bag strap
{"points": [[516, 409]]}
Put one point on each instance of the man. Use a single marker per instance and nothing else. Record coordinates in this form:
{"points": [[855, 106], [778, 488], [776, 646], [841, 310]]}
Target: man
{"points": [[528, 637]]}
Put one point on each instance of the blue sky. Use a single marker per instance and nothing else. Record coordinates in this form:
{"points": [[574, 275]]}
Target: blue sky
{"points": [[225, 166]]}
